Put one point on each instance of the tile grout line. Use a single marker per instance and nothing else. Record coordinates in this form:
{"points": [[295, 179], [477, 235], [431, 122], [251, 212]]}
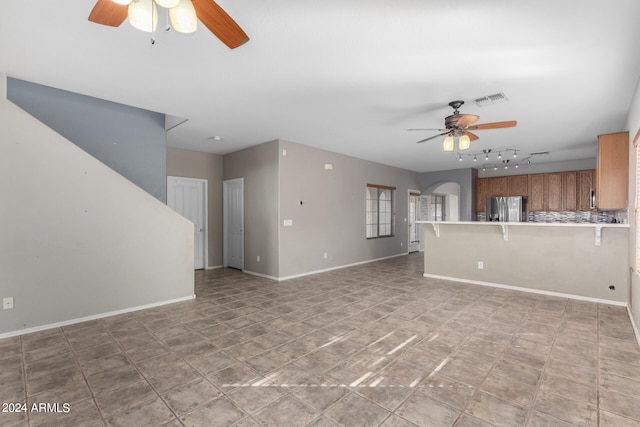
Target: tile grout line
{"points": [[23, 363]]}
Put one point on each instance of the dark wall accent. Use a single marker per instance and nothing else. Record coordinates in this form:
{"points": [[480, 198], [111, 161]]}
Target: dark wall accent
{"points": [[129, 140]]}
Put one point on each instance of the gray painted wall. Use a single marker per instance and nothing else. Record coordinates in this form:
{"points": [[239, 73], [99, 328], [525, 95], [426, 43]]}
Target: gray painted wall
{"points": [[331, 217], [195, 164], [560, 259], [465, 177], [259, 167], [129, 140]]}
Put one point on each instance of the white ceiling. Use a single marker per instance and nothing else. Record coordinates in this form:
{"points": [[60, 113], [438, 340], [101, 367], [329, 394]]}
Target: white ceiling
{"points": [[351, 76]]}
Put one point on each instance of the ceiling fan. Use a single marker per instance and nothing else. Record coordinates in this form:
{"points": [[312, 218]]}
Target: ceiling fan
{"points": [[114, 12], [460, 125]]}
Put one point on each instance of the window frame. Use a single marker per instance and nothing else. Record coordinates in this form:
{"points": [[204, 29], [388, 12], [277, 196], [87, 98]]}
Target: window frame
{"points": [[391, 212], [439, 200]]}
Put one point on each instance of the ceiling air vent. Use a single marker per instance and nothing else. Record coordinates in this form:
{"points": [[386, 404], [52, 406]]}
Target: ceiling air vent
{"points": [[491, 99]]}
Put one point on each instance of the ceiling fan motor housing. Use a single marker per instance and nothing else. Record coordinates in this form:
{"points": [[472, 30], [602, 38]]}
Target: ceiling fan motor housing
{"points": [[451, 121]]}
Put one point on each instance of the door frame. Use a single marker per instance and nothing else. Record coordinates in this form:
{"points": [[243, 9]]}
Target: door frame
{"points": [[410, 244], [225, 219], [205, 213]]}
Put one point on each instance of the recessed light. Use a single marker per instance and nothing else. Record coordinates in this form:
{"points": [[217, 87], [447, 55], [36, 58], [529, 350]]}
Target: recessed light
{"points": [[216, 138]]}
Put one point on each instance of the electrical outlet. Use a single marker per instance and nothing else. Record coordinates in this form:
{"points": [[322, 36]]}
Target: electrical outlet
{"points": [[325, 255], [7, 303], [258, 258], [480, 265]]}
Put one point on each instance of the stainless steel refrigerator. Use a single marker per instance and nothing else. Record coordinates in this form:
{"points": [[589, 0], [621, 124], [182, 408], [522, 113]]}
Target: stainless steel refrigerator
{"points": [[507, 209]]}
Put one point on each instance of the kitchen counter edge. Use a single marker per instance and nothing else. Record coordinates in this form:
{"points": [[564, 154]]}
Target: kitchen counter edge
{"points": [[530, 224]]}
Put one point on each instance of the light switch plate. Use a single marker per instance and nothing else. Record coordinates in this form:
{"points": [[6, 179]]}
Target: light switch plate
{"points": [[287, 223], [7, 303]]}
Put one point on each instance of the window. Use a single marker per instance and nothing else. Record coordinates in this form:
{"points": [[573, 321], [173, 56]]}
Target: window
{"points": [[379, 211], [437, 207]]}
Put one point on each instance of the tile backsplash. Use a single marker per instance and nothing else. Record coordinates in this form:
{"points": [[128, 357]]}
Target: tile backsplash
{"points": [[619, 216]]}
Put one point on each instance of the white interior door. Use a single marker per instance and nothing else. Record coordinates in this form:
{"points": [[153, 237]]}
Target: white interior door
{"points": [[415, 231], [453, 208], [188, 197], [233, 223]]}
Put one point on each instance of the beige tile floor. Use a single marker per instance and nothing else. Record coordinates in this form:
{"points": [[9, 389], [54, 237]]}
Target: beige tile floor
{"points": [[371, 345]]}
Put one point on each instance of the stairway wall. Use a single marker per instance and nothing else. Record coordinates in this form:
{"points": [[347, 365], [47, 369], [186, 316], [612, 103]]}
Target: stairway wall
{"points": [[77, 240]]}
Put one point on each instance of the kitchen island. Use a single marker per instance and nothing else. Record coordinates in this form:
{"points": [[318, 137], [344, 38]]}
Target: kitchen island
{"points": [[587, 261]]}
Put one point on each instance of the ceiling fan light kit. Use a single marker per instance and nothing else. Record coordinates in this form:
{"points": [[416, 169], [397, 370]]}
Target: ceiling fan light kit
{"points": [[143, 15], [448, 143], [183, 15], [464, 143], [461, 125], [168, 4]]}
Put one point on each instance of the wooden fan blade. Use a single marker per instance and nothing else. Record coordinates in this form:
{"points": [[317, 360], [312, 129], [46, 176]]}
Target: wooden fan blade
{"points": [[432, 137], [109, 13], [466, 120], [472, 136], [219, 23], [494, 125]]}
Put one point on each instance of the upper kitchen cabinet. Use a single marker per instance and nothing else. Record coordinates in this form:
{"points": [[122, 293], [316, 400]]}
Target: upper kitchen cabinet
{"points": [[536, 192], [518, 185], [481, 192], [569, 191], [585, 184], [553, 191], [498, 186], [612, 172]]}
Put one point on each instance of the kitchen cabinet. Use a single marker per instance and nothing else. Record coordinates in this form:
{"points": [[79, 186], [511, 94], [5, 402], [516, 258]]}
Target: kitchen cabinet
{"points": [[481, 191], [553, 192], [517, 185], [569, 191], [612, 171], [585, 184], [536, 192], [556, 191], [498, 186]]}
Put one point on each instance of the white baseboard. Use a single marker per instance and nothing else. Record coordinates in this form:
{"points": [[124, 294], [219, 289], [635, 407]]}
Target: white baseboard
{"points": [[324, 270], [92, 317], [633, 324], [213, 267], [530, 290], [266, 276]]}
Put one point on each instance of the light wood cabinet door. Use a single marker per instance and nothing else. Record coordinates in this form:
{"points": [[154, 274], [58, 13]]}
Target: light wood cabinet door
{"points": [[553, 191], [569, 191], [536, 192], [518, 185], [612, 172], [481, 189], [585, 184]]}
